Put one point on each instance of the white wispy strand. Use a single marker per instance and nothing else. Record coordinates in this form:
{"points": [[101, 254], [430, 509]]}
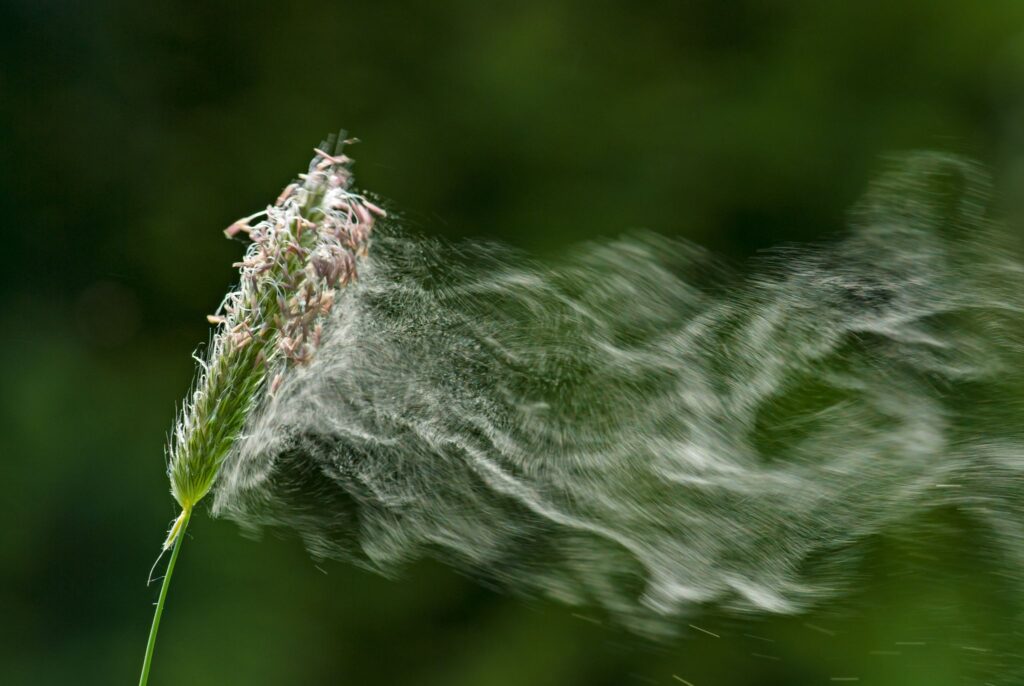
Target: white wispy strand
{"points": [[639, 429]]}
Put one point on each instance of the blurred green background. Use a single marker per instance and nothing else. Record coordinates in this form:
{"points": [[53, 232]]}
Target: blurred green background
{"points": [[131, 133]]}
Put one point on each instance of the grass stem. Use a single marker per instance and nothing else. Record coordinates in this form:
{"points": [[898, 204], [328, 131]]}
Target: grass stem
{"points": [[178, 534]]}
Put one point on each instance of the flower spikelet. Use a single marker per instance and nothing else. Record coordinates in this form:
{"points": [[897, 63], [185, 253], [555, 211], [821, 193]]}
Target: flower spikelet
{"points": [[304, 248]]}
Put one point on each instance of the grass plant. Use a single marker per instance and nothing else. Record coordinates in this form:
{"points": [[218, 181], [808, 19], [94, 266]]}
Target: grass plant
{"points": [[303, 248]]}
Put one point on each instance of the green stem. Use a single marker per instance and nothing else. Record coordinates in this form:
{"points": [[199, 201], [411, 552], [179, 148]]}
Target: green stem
{"points": [[179, 534]]}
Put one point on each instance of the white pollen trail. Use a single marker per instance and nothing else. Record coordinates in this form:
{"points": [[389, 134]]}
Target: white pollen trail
{"points": [[639, 429]]}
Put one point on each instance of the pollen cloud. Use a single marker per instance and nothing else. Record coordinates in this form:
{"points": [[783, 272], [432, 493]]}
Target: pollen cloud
{"points": [[641, 429]]}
